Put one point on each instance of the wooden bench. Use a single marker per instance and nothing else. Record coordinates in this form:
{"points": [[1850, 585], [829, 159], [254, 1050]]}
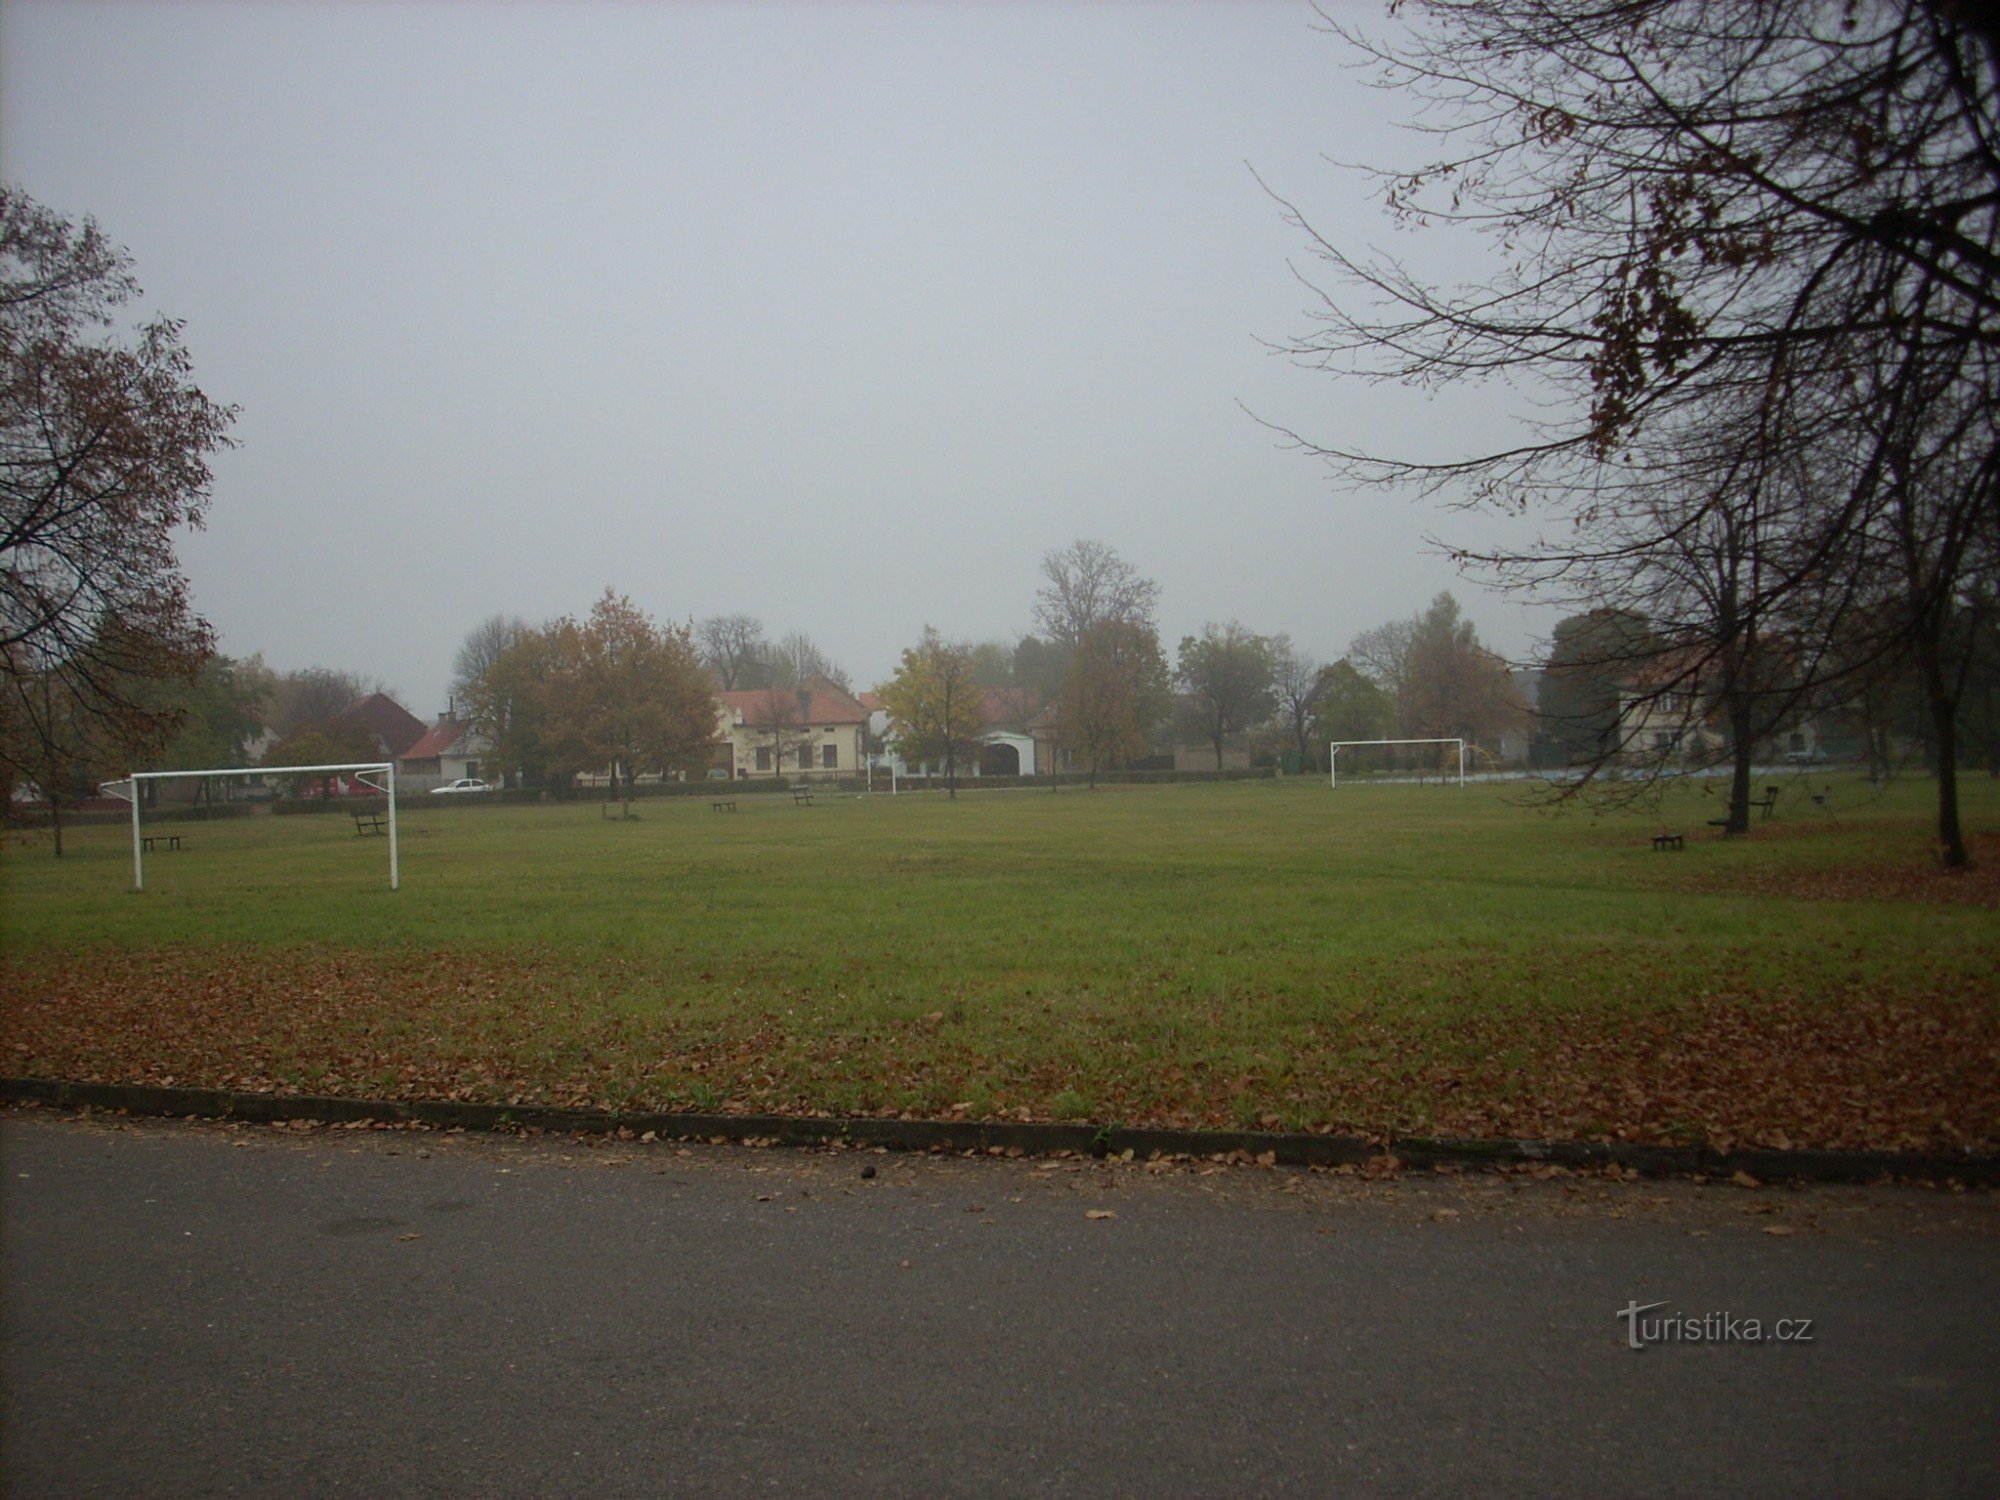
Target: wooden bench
{"points": [[1762, 804], [1668, 841], [723, 806], [368, 822], [802, 796], [171, 840]]}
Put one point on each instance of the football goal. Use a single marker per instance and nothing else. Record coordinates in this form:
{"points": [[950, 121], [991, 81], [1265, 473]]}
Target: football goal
{"points": [[1384, 767], [363, 772]]}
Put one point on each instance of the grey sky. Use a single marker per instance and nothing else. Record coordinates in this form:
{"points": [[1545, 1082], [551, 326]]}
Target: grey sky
{"points": [[841, 316]]}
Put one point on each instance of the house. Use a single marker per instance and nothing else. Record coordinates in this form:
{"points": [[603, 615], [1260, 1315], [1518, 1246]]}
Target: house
{"points": [[392, 727], [813, 730], [450, 749]]}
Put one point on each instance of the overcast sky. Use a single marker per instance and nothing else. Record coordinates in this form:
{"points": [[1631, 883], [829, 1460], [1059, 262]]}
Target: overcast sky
{"points": [[838, 315]]}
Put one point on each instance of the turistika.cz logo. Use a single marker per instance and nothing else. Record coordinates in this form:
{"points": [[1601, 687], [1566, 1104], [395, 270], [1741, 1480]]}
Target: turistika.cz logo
{"points": [[1708, 1328]]}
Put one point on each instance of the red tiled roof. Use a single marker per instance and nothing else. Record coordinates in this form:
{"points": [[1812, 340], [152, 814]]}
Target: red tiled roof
{"points": [[440, 738], [823, 703]]}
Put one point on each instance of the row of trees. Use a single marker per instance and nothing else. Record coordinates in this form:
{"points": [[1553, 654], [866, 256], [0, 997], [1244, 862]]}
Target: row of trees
{"points": [[1746, 261], [613, 690], [1097, 666]]}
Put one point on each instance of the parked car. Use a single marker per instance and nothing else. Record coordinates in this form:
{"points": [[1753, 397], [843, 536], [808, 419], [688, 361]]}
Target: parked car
{"points": [[462, 786], [1805, 757]]}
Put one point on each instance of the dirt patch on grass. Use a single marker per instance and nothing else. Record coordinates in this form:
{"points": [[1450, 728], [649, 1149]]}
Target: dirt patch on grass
{"points": [[1919, 1070]]}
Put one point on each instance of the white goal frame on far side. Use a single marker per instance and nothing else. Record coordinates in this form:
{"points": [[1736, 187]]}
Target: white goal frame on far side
{"points": [[1336, 746], [361, 771]]}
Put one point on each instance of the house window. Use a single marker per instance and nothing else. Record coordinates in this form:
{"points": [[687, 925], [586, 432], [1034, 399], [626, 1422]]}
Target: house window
{"points": [[829, 757], [472, 768], [763, 757]]}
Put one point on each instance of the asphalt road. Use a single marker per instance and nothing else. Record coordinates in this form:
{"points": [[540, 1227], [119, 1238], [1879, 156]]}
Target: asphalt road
{"points": [[205, 1310]]}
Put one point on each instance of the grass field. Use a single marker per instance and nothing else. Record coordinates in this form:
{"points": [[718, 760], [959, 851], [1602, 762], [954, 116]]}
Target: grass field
{"points": [[1381, 959]]}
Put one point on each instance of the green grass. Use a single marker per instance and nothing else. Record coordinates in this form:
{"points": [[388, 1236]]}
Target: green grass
{"points": [[1242, 953]]}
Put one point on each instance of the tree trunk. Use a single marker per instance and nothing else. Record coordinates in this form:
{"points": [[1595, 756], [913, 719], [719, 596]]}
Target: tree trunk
{"points": [[55, 822], [1943, 717], [1743, 750]]}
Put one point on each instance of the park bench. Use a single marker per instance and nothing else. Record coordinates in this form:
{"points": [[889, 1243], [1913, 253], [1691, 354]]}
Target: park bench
{"points": [[723, 806], [171, 840], [366, 822], [1668, 841], [1762, 804], [802, 796]]}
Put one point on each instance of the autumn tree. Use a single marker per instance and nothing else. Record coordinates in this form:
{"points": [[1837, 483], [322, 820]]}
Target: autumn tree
{"points": [[625, 694], [1734, 247], [104, 449], [1116, 692], [935, 705], [1452, 686], [1225, 675], [65, 730]]}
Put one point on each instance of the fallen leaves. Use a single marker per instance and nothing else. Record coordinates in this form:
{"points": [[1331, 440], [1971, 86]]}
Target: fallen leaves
{"points": [[1849, 1066]]}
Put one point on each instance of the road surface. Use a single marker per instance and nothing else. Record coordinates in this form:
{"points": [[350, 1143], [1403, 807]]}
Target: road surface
{"points": [[211, 1310]]}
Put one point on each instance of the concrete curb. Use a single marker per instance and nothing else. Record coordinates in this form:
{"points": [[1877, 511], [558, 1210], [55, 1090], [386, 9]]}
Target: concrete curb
{"points": [[1286, 1149]]}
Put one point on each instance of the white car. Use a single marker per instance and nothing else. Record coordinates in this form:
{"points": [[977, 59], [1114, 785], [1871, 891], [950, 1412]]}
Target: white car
{"points": [[461, 786]]}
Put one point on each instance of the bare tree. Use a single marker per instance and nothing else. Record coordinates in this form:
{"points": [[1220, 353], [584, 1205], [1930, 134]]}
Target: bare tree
{"points": [[1297, 676], [315, 695], [1088, 584], [780, 717], [1736, 246], [796, 659], [733, 649], [483, 646]]}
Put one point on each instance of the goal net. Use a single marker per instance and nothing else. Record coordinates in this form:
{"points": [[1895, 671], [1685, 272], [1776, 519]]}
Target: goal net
{"points": [[1413, 761], [376, 776]]}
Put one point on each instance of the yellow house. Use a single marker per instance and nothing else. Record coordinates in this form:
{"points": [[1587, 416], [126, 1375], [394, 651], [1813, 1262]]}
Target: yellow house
{"points": [[814, 730]]}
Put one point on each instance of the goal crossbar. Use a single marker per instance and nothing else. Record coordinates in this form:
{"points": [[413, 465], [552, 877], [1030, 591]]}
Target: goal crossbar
{"points": [[360, 770], [1334, 748]]}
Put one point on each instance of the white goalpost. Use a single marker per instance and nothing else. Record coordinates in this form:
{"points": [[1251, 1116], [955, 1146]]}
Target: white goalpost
{"points": [[1335, 747], [360, 771]]}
